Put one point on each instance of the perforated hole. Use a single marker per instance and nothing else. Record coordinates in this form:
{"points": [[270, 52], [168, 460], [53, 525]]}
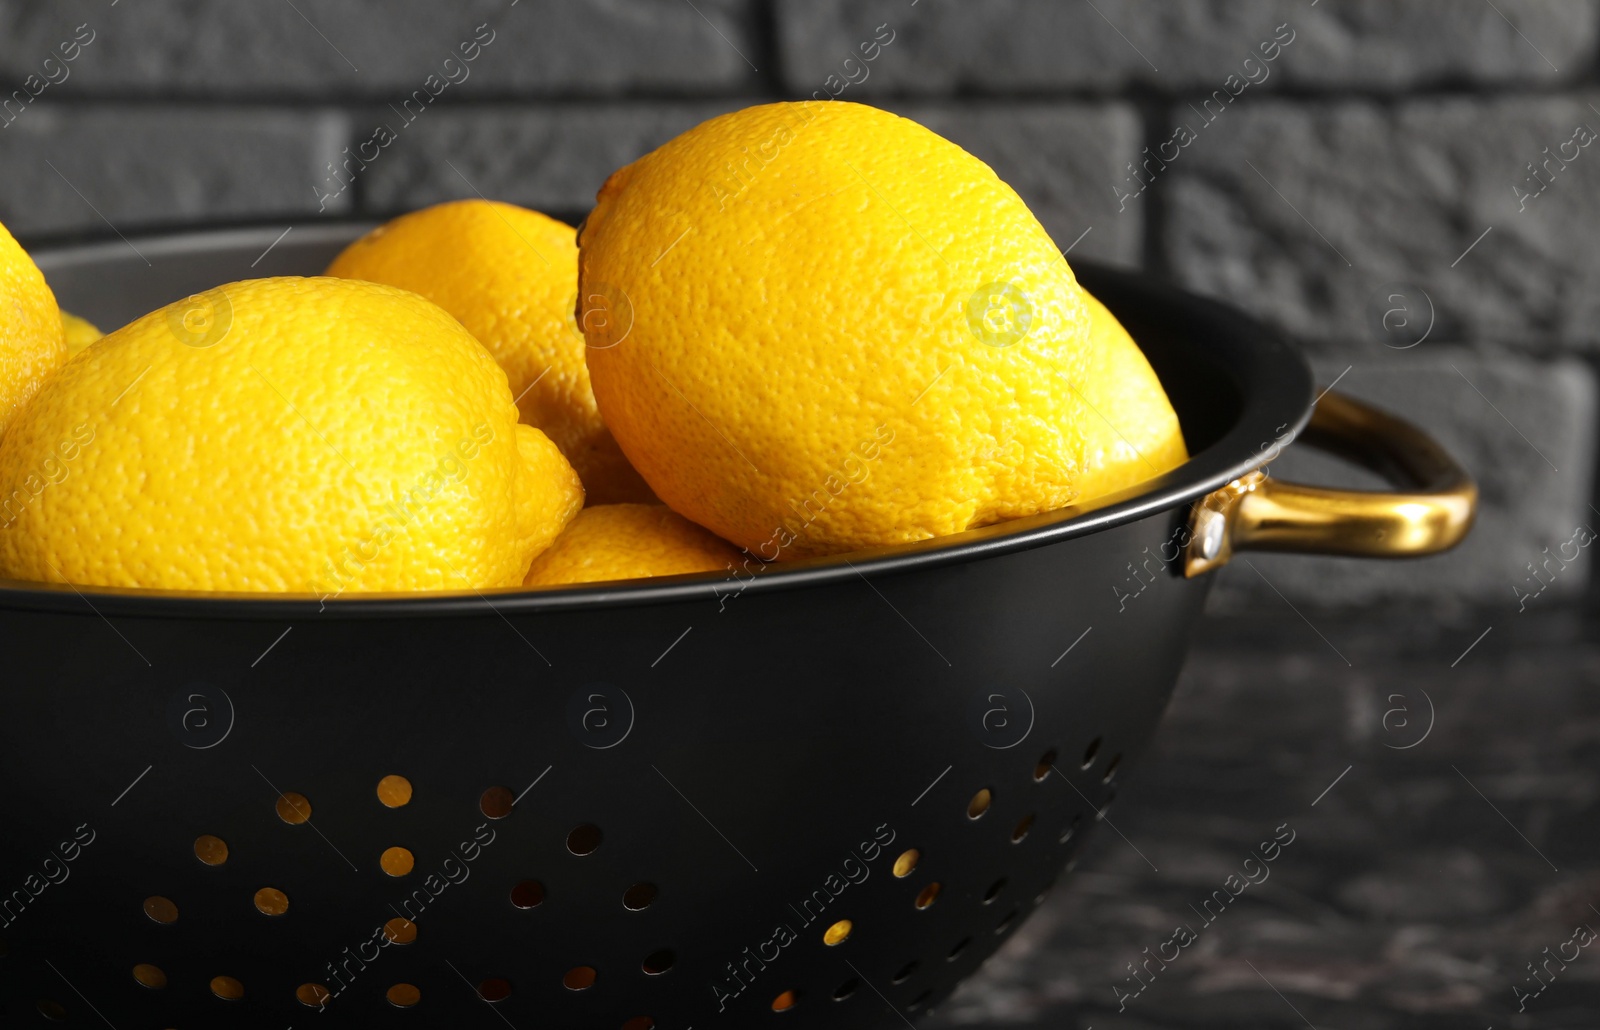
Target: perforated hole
{"points": [[785, 1001], [210, 850], [1105, 806], [846, 989], [994, 890], [400, 930], [1111, 768], [227, 988], [1072, 828], [494, 989], [403, 996], [271, 902], [838, 933], [638, 897], [497, 802], [1090, 751], [395, 792], [907, 863], [929, 895], [919, 1001], [905, 972], [293, 808], [980, 803], [658, 962], [640, 1023], [528, 894], [583, 840], [1046, 762], [52, 1010], [312, 996], [1020, 832], [1006, 921], [160, 909], [397, 861], [956, 951], [146, 975], [579, 978]]}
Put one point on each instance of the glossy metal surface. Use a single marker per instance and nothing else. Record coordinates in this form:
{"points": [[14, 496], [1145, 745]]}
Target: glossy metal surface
{"points": [[1262, 513]]}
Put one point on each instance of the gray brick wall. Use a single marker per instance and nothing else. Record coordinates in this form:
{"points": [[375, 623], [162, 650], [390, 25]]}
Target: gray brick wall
{"points": [[142, 165], [1331, 150], [549, 156], [1027, 46], [273, 50], [1301, 209]]}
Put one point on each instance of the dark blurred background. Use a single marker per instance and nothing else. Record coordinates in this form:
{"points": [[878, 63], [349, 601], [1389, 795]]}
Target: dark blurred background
{"points": [[1404, 189]]}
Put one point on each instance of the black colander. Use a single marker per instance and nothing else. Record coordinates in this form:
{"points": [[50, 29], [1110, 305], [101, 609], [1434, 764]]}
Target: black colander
{"points": [[818, 797]]}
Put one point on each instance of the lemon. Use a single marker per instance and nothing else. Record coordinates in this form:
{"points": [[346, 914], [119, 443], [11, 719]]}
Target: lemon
{"points": [[79, 332], [629, 541], [846, 331], [31, 341], [1128, 440], [510, 276], [286, 434]]}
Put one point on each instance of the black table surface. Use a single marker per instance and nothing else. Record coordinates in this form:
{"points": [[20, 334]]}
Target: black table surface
{"points": [[1444, 870]]}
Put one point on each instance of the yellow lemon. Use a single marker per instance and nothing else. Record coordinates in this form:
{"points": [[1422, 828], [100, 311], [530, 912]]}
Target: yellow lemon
{"points": [[80, 332], [510, 276], [1129, 439], [31, 341], [629, 541], [310, 435], [846, 331]]}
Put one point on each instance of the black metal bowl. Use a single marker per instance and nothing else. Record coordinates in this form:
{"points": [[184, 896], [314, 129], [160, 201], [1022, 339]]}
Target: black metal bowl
{"points": [[629, 805]]}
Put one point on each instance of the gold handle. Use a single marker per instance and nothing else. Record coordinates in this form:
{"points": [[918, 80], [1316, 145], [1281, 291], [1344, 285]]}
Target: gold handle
{"points": [[1259, 513]]}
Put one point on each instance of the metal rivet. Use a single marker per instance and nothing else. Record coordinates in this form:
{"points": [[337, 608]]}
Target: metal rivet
{"points": [[1212, 525]]}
